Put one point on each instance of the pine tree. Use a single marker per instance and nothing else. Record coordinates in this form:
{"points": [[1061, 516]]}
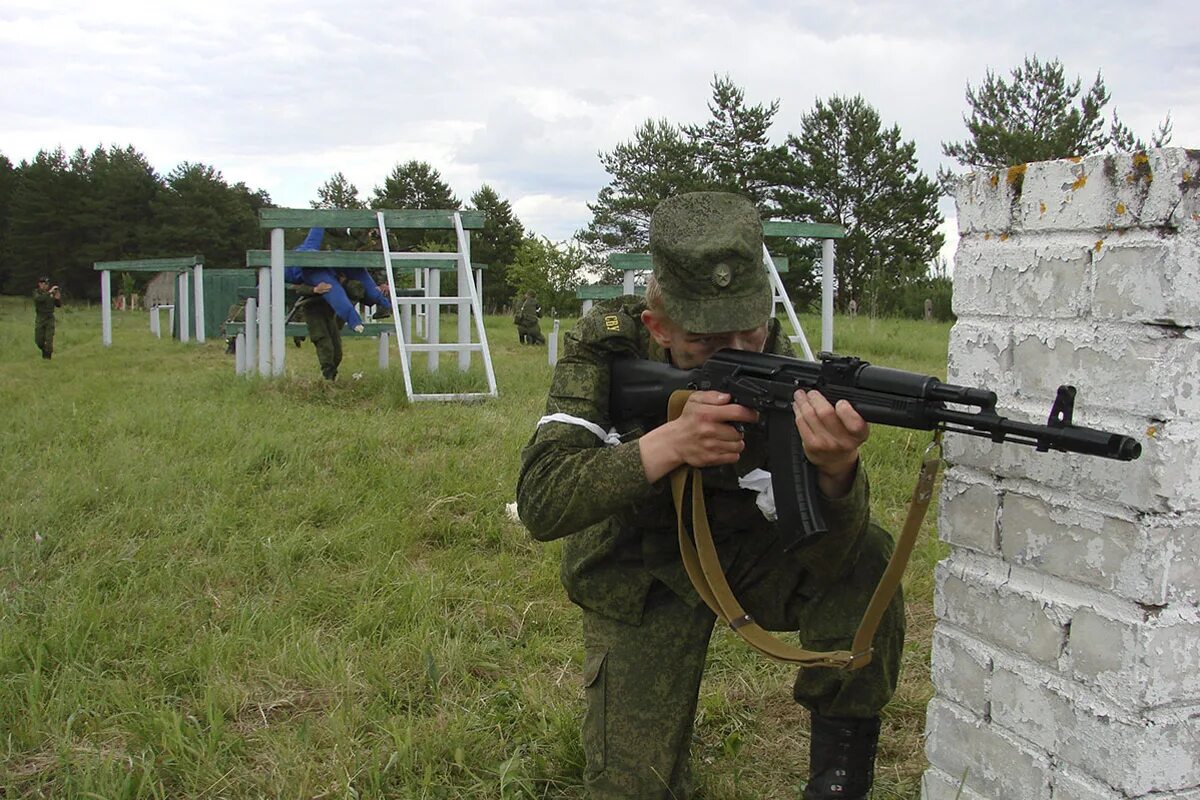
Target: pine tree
{"points": [[846, 168], [496, 245]]}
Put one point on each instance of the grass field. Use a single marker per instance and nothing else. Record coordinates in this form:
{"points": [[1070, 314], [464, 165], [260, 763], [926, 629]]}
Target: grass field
{"points": [[213, 586]]}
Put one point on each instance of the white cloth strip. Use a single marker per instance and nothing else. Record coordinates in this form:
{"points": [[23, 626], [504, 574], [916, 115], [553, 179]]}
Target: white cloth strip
{"points": [[609, 438]]}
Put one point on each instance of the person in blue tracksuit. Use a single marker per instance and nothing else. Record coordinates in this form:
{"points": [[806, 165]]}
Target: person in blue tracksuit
{"points": [[336, 296]]}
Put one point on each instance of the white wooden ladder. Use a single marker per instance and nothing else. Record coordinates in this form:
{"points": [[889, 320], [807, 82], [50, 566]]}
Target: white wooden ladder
{"points": [[429, 305], [780, 295]]}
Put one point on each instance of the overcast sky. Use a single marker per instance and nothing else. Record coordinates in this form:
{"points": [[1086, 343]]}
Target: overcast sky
{"points": [[523, 95]]}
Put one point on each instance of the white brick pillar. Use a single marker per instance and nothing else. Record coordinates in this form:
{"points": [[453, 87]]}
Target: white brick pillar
{"points": [[1066, 658]]}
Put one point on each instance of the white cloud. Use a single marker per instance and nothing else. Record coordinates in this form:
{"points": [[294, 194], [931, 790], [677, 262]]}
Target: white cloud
{"points": [[523, 95]]}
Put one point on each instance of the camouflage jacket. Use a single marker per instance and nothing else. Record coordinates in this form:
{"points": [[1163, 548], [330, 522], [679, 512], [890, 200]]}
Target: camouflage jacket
{"points": [[620, 529], [44, 304]]}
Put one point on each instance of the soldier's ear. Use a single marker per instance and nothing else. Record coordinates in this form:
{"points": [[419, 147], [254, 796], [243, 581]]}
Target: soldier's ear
{"points": [[660, 326]]}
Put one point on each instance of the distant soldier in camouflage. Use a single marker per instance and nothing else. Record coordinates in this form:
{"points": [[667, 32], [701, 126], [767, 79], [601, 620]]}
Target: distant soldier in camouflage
{"points": [[645, 630], [324, 325], [46, 298], [526, 319]]}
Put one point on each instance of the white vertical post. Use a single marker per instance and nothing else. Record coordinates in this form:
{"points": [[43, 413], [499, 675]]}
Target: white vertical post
{"points": [[421, 281], [155, 321], [433, 316], [185, 322], [406, 320], [587, 306], [198, 294], [465, 284], [627, 282], [264, 321], [552, 350], [827, 295], [251, 315], [239, 353], [106, 307], [383, 350], [278, 332], [171, 319]]}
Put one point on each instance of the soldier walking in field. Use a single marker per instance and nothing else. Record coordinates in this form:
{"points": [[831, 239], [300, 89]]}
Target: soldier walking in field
{"points": [[324, 325], [46, 298], [526, 319]]}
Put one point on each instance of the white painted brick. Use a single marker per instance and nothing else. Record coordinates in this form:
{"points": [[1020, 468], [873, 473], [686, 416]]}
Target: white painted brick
{"points": [[984, 203], [1127, 751], [1149, 277], [1165, 479], [996, 764], [961, 669], [1111, 191], [937, 785], [1070, 784], [1139, 663], [1041, 277], [1182, 543], [978, 597], [1086, 546], [968, 513], [1160, 375]]}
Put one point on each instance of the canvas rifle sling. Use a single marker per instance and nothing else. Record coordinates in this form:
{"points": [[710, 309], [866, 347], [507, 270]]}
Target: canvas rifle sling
{"points": [[704, 567]]}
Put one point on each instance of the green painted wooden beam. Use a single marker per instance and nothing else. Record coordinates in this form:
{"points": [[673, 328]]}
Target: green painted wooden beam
{"points": [[365, 218], [350, 259], [641, 261], [600, 291], [150, 264], [807, 230], [292, 329]]}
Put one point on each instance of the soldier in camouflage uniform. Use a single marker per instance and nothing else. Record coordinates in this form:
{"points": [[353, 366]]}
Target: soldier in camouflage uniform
{"points": [[324, 325], [46, 298], [645, 629], [526, 319]]}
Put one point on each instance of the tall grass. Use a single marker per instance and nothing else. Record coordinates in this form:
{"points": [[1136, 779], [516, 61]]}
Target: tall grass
{"points": [[214, 586]]}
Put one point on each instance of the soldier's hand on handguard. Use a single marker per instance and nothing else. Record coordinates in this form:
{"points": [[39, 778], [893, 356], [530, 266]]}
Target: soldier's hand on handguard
{"points": [[704, 435], [831, 435]]}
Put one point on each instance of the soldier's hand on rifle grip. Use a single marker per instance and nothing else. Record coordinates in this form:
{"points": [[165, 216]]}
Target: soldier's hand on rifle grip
{"points": [[831, 436], [703, 436]]}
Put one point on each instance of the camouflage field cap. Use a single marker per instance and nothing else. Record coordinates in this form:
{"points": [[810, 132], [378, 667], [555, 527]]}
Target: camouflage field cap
{"points": [[706, 249]]}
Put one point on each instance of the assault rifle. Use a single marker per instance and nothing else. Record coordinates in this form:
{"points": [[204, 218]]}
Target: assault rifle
{"points": [[766, 383]]}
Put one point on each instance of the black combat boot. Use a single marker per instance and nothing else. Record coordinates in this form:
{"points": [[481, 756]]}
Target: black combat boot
{"points": [[842, 758]]}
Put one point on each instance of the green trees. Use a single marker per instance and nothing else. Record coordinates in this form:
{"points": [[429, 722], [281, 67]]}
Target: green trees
{"points": [[1038, 115], [551, 270], [496, 245], [845, 167], [199, 212]]}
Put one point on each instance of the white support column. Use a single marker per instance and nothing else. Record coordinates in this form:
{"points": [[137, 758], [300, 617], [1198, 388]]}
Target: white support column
{"points": [[184, 320], [827, 251], [465, 284], [198, 294], [627, 282], [433, 317], [264, 321], [406, 321], [239, 353], [155, 321], [587, 306], [552, 350], [252, 352], [383, 350], [106, 307], [278, 332]]}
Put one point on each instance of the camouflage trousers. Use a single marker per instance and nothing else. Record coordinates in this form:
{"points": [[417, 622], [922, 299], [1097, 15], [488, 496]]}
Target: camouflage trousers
{"points": [[43, 334], [530, 333], [325, 332], [642, 681]]}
